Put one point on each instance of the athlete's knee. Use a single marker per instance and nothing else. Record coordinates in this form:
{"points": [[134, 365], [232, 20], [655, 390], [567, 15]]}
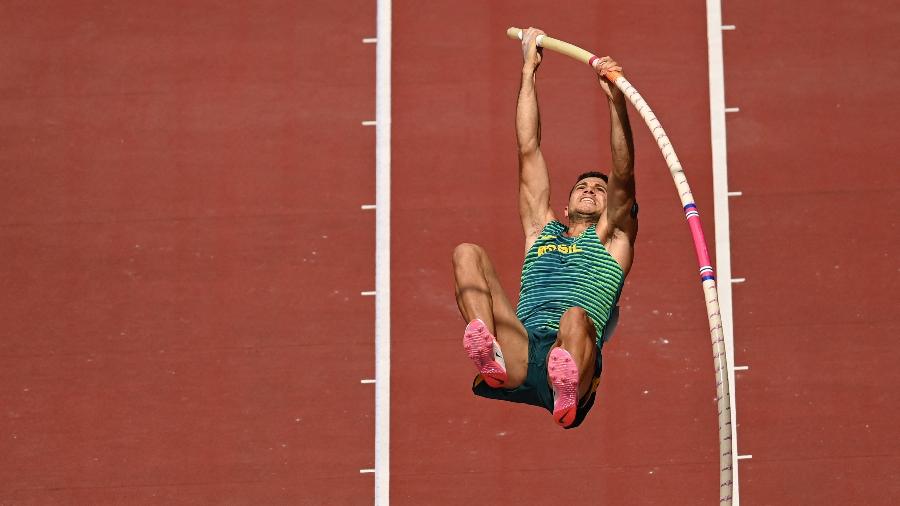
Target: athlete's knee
{"points": [[576, 321], [466, 253]]}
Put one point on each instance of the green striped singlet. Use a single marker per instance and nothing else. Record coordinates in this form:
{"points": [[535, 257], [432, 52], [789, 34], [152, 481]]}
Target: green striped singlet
{"points": [[562, 272]]}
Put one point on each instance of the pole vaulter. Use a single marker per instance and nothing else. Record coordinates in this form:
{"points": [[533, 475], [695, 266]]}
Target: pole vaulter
{"points": [[707, 275]]}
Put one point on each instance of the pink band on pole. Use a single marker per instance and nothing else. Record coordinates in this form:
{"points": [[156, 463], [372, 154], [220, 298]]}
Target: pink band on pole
{"points": [[699, 240], [592, 60]]}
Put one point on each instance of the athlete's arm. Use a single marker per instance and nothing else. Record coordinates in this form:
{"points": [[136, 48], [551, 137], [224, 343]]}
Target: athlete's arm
{"points": [[534, 179], [621, 226]]}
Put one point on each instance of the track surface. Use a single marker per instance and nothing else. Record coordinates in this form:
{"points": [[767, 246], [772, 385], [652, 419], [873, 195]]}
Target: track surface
{"points": [[183, 253]]}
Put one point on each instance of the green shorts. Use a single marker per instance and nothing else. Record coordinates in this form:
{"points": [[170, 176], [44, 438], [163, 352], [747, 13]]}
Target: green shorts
{"points": [[536, 389]]}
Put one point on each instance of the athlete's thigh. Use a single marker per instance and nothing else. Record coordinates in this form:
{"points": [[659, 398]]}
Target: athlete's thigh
{"points": [[509, 330]]}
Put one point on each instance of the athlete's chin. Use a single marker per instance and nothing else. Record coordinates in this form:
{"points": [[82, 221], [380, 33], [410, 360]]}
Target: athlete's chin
{"points": [[589, 209]]}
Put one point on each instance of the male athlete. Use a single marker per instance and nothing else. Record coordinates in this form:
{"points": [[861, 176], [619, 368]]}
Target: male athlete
{"points": [[547, 352]]}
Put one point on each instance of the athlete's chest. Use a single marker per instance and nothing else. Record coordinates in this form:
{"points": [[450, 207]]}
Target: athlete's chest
{"points": [[557, 251]]}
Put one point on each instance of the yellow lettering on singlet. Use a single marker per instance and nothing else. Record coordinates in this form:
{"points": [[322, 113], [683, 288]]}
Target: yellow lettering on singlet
{"points": [[565, 250]]}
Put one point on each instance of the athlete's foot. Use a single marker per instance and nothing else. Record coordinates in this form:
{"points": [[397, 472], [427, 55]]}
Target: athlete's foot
{"points": [[563, 375], [484, 351]]}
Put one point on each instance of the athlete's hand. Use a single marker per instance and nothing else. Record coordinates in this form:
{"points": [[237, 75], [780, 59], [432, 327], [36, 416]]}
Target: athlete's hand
{"points": [[530, 52], [603, 66]]}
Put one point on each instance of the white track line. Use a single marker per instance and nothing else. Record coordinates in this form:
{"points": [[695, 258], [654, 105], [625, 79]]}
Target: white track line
{"points": [[367, 381], [732, 109], [370, 122], [383, 254], [735, 194], [742, 368], [367, 294], [742, 457], [370, 40], [720, 203], [738, 280], [366, 471], [367, 207]]}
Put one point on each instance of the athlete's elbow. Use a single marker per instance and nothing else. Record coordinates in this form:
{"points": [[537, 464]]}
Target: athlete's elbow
{"points": [[528, 148], [623, 170]]}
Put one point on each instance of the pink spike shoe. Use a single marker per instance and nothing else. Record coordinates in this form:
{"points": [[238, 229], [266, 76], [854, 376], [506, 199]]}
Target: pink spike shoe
{"points": [[482, 348], [563, 375]]}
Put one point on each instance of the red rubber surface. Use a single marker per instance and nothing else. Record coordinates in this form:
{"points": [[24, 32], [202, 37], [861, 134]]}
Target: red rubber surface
{"points": [[183, 251]]}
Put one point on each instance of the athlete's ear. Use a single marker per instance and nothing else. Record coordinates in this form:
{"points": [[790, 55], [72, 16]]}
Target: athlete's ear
{"points": [[566, 211]]}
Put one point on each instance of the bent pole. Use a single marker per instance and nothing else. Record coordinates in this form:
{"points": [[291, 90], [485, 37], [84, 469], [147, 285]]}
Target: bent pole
{"points": [[707, 275]]}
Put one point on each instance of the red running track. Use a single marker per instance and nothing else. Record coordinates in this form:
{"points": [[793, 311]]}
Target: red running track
{"points": [[183, 253]]}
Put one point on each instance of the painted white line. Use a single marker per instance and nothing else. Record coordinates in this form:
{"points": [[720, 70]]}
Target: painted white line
{"points": [[742, 368], [720, 205], [742, 457], [367, 294], [367, 207], [738, 280], [729, 27], [370, 40], [735, 194], [383, 254], [369, 123], [366, 471], [732, 109], [367, 381]]}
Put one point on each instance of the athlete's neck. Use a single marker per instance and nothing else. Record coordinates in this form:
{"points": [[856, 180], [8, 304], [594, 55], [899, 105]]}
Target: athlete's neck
{"points": [[578, 226]]}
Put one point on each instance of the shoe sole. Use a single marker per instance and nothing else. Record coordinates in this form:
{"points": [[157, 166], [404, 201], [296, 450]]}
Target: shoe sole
{"points": [[480, 346], [563, 375]]}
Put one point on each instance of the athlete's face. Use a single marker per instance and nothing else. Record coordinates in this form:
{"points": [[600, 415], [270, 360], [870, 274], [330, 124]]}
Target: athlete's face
{"points": [[588, 198]]}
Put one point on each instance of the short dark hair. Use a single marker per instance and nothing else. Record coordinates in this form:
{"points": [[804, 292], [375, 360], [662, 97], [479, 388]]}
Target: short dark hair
{"points": [[592, 173]]}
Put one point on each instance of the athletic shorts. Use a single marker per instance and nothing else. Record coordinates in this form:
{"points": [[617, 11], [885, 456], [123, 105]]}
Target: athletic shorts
{"points": [[536, 389]]}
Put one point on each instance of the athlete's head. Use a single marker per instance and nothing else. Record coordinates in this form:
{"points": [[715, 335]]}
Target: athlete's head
{"points": [[587, 200]]}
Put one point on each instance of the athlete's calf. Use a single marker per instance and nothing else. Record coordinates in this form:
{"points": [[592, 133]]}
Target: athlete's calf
{"points": [[480, 296]]}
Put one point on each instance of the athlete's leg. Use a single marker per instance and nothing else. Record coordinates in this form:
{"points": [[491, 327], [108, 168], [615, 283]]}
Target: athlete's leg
{"points": [[578, 336], [570, 364], [479, 295]]}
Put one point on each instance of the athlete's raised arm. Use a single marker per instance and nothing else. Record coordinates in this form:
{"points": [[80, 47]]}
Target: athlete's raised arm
{"points": [[534, 180], [620, 229]]}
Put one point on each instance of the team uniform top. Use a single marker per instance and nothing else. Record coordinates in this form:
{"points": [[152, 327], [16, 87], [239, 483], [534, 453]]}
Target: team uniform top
{"points": [[561, 272]]}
